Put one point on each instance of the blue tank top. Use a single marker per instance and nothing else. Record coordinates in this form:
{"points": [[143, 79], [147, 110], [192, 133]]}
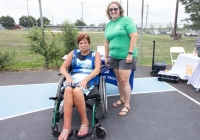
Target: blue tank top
{"points": [[82, 66]]}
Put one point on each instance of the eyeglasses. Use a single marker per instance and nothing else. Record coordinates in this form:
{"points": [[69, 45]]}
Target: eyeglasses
{"points": [[111, 9]]}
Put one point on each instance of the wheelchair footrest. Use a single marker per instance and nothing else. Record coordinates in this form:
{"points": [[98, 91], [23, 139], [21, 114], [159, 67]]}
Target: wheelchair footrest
{"points": [[99, 131]]}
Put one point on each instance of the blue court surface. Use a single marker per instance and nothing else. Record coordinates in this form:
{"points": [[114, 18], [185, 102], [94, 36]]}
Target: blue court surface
{"points": [[23, 99], [159, 111]]}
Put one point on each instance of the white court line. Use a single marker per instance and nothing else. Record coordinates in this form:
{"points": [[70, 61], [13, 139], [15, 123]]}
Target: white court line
{"points": [[142, 92], [56, 83], [28, 84], [25, 113], [185, 95]]}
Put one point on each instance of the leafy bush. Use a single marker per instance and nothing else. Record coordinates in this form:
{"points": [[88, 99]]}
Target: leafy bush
{"points": [[6, 59], [53, 46], [69, 36], [45, 46]]}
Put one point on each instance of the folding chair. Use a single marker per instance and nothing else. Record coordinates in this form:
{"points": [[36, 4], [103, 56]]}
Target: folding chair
{"points": [[174, 52]]}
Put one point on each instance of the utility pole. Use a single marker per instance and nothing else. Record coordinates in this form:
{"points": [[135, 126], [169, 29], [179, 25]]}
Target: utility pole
{"points": [[82, 3], [52, 20], [147, 16], [175, 20], [28, 15], [127, 7], [41, 19], [141, 30]]}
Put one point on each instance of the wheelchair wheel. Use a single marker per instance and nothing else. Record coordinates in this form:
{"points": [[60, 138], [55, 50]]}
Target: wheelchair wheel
{"points": [[100, 132], [60, 84], [103, 96]]}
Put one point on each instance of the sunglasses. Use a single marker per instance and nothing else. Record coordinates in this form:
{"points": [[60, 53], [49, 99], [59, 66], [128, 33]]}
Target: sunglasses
{"points": [[111, 9]]}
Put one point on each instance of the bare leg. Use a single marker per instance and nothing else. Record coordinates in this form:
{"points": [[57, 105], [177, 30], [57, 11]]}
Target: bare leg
{"points": [[68, 106], [124, 85], [116, 71], [124, 89], [79, 101]]}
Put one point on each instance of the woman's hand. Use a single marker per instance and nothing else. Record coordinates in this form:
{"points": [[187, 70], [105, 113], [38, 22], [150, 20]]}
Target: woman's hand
{"points": [[106, 62], [129, 59], [83, 84], [69, 80]]}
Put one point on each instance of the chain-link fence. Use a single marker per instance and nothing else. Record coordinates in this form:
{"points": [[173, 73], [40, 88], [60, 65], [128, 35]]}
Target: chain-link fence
{"points": [[155, 20]]}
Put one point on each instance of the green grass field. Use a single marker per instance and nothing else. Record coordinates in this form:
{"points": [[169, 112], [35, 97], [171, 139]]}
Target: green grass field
{"points": [[16, 41]]}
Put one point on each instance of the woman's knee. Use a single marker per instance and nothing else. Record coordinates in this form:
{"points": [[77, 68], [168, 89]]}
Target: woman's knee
{"points": [[123, 81], [68, 93], [78, 93], [68, 90]]}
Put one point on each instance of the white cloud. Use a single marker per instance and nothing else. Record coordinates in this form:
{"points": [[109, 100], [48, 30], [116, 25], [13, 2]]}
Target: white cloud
{"points": [[160, 11]]}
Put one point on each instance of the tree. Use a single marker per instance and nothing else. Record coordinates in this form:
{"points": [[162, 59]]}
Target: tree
{"points": [[160, 28], [7, 22], [27, 21], [46, 21], [92, 24], [80, 23], [49, 49], [192, 7], [152, 27], [69, 37], [102, 24]]}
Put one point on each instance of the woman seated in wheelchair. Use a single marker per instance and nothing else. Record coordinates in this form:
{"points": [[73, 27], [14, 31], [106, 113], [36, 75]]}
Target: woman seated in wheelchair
{"points": [[85, 66]]}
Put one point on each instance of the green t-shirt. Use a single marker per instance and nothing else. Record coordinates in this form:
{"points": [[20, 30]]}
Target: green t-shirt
{"points": [[117, 33]]}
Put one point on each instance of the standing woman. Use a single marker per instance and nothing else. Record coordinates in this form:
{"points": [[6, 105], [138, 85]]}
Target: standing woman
{"points": [[120, 51]]}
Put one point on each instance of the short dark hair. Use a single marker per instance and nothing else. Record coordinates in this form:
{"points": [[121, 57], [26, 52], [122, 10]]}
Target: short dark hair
{"points": [[83, 36], [121, 10]]}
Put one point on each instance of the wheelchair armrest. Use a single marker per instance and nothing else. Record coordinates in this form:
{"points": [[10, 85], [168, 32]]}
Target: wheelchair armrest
{"points": [[59, 74], [53, 98], [68, 69]]}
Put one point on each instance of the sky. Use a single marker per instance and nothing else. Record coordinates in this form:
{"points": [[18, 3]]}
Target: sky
{"points": [[159, 12]]}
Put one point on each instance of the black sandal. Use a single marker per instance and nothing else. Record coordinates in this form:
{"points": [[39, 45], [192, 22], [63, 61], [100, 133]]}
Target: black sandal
{"points": [[116, 104], [126, 112]]}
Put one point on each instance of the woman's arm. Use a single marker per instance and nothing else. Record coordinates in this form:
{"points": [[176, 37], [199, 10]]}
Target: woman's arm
{"points": [[106, 45], [63, 69], [133, 40]]}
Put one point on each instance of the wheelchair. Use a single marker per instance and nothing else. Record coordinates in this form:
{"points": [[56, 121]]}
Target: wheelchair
{"points": [[97, 97]]}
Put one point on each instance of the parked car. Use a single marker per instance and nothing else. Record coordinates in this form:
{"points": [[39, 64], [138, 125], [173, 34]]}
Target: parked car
{"points": [[168, 33], [154, 32], [191, 34], [1, 27]]}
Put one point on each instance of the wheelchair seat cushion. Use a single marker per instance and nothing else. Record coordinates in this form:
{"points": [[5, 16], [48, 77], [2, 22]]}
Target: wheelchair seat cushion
{"points": [[93, 93]]}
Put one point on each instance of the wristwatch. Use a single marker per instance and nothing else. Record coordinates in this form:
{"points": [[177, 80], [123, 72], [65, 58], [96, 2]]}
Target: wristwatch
{"points": [[130, 53]]}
